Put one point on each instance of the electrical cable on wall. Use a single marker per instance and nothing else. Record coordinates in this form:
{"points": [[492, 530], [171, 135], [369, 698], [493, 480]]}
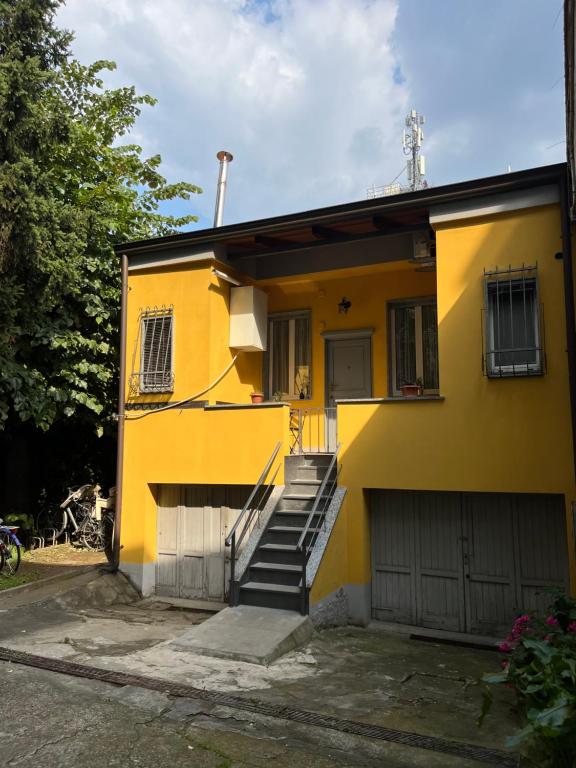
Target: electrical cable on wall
{"points": [[187, 399]]}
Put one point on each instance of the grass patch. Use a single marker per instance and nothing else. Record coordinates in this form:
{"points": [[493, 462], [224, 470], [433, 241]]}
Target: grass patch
{"points": [[7, 582]]}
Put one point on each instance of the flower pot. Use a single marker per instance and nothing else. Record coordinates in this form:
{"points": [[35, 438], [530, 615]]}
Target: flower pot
{"points": [[411, 390], [257, 397]]}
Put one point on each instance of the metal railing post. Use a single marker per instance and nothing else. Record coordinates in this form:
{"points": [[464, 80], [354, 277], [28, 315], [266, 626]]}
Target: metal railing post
{"points": [[232, 598], [303, 591]]}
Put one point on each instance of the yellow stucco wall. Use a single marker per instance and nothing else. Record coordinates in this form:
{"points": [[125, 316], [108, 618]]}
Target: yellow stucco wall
{"points": [[509, 435], [505, 435], [192, 446], [368, 288]]}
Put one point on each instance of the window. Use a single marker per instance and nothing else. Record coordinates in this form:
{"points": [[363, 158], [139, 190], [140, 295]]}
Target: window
{"points": [[156, 351], [512, 323], [414, 345], [288, 371]]}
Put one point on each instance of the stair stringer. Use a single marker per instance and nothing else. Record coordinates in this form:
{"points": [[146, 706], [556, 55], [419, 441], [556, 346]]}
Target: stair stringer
{"points": [[333, 609]]}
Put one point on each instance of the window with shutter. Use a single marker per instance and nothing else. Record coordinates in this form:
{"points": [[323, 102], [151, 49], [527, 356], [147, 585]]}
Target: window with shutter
{"points": [[156, 351]]}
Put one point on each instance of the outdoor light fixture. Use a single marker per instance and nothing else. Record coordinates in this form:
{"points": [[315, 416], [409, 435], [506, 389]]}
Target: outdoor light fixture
{"points": [[344, 306]]}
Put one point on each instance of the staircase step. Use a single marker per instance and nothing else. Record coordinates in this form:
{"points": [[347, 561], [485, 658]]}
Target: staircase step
{"points": [[287, 567], [299, 496], [291, 529], [279, 547], [264, 586], [311, 481]]}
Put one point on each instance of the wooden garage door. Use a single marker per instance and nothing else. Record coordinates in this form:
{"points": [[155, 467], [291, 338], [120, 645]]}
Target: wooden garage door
{"points": [[193, 522], [465, 561]]}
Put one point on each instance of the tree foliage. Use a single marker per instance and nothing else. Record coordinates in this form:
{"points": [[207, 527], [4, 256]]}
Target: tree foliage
{"points": [[71, 186]]}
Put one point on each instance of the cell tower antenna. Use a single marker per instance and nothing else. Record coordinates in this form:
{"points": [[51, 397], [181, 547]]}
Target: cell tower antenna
{"points": [[412, 139]]}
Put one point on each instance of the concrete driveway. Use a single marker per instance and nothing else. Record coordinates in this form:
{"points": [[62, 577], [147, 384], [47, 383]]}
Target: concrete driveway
{"points": [[362, 675]]}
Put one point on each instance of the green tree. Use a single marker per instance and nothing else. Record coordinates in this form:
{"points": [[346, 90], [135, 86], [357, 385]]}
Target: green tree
{"points": [[71, 186]]}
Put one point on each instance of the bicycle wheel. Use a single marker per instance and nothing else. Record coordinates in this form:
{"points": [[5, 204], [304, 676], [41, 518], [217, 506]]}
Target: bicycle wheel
{"points": [[12, 552], [91, 535]]}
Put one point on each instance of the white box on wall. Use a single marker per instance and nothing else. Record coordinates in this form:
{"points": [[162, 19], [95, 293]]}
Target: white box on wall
{"points": [[248, 318]]}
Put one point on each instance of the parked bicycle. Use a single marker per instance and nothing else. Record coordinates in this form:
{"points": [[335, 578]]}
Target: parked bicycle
{"points": [[84, 517], [10, 549]]}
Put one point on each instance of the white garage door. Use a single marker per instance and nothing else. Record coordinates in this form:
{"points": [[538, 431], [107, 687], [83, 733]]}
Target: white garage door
{"points": [[466, 562], [193, 522]]}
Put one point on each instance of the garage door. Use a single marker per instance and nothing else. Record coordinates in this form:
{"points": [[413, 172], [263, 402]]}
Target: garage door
{"points": [[193, 522], [466, 562]]}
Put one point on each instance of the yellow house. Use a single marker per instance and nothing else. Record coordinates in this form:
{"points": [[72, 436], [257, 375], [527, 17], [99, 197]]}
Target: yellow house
{"points": [[413, 457]]}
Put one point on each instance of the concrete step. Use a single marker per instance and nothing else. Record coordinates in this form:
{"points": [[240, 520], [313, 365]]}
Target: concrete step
{"points": [[246, 633], [287, 554], [312, 472], [309, 486], [275, 573], [261, 586], [286, 534], [266, 595], [299, 501], [293, 517]]}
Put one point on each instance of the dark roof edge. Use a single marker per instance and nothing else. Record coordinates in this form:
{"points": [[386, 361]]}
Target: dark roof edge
{"points": [[507, 182]]}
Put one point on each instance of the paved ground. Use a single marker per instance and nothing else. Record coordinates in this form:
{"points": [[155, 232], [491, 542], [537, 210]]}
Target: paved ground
{"points": [[369, 676]]}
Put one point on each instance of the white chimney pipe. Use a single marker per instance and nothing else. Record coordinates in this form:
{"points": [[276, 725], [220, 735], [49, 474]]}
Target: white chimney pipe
{"points": [[225, 158]]}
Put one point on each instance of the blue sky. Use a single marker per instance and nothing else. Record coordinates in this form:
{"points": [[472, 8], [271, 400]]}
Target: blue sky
{"points": [[310, 95]]}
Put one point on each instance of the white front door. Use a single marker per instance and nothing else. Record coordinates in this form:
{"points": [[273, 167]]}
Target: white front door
{"points": [[348, 376]]}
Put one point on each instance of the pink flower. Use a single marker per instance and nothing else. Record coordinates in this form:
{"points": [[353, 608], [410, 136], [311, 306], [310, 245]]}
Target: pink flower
{"points": [[548, 638], [505, 647], [551, 621], [505, 664], [572, 627]]}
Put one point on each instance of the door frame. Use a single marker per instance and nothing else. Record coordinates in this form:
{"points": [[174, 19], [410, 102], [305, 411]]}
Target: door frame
{"points": [[331, 435], [357, 333]]}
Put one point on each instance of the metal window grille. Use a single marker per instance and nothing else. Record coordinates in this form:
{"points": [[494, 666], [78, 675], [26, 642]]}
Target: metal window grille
{"points": [[513, 329], [155, 342]]}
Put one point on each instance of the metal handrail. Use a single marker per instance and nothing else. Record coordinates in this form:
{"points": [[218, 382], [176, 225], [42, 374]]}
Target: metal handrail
{"points": [[252, 510], [253, 494], [317, 500]]}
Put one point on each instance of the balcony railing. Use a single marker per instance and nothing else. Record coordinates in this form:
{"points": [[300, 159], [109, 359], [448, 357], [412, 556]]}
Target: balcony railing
{"points": [[313, 430]]}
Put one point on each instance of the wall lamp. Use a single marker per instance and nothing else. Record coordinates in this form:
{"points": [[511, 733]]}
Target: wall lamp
{"points": [[344, 306]]}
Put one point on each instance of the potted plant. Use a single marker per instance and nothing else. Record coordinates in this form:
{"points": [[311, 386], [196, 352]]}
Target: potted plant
{"points": [[257, 397], [412, 390]]}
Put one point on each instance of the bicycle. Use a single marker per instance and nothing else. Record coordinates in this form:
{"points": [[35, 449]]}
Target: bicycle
{"points": [[79, 514], [10, 548]]}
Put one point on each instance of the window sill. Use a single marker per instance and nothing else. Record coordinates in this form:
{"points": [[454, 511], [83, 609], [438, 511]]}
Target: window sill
{"points": [[386, 400], [234, 406]]}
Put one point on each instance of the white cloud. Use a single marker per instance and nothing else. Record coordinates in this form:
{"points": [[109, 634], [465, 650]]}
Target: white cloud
{"points": [[301, 91]]}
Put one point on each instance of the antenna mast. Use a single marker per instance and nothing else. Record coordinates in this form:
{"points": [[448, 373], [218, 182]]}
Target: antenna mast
{"points": [[412, 139]]}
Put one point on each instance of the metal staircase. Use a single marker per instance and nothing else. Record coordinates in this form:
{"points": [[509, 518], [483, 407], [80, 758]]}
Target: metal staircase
{"points": [[276, 574]]}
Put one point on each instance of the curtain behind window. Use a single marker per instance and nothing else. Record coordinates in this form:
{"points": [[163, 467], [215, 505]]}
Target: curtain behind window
{"points": [[405, 345], [430, 346], [280, 359]]}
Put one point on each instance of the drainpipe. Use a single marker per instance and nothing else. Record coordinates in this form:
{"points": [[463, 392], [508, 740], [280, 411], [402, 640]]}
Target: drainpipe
{"points": [[225, 158], [121, 414], [569, 304]]}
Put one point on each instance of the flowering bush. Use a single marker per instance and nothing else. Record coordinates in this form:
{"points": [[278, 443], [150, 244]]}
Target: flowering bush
{"points": [[539, 663]]}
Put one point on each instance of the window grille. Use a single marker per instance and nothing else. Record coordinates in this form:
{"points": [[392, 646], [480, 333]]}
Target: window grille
{"points": [[513, 330], [414, 345], [154, 346]]}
